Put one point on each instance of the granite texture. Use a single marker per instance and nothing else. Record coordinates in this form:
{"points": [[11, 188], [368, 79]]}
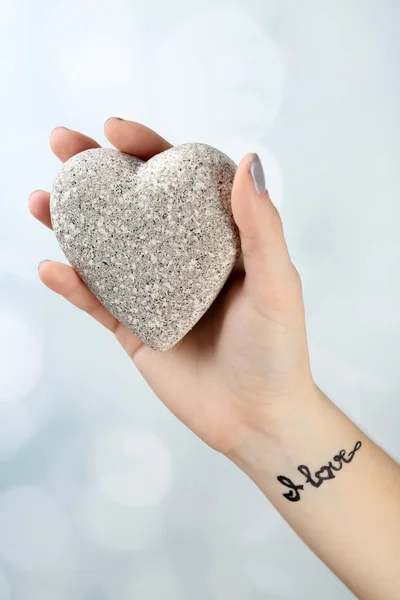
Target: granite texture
{"points": [[154, 241]]}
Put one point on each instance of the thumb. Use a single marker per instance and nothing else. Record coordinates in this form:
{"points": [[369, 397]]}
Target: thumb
{"points": [[265, 254]]}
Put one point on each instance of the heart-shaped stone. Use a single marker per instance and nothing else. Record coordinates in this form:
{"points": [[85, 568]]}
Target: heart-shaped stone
{"points": [[154, 241]]}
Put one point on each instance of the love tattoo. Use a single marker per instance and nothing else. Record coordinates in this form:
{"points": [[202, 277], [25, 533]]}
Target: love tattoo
{"points": [[323, 474]]}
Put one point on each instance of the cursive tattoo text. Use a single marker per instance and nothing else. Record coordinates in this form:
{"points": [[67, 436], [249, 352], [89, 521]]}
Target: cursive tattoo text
{"points": [[323, 474]]}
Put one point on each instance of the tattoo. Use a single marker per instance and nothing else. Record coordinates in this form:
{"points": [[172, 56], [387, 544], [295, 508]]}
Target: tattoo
{"points": [[323, 474]]}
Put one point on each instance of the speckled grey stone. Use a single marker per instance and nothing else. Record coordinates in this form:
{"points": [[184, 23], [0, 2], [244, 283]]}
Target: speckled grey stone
{"points": [[154, 241]]}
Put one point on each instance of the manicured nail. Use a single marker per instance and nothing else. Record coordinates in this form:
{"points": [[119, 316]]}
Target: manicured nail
{"points": [[42, 263], [257, 173]]}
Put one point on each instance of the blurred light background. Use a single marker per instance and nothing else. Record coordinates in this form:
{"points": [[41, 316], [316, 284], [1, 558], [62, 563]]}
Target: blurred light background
{"points": [[103, 494]]}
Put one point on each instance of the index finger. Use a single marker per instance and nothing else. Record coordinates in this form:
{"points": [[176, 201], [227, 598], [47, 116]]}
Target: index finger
{"points": [[134, 138]]}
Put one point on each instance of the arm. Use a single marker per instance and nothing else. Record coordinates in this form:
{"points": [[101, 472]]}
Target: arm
{"points": [[241, 381], [344, 505]]}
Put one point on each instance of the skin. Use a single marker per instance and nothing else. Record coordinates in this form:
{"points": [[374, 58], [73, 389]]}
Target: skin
{"points": [[241, 381]]}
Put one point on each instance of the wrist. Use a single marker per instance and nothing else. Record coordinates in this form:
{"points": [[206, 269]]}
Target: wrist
{"points": [[314, 433], [273, 435]]}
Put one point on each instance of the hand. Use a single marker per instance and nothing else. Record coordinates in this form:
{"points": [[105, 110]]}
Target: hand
{"points": [[244, 367]]}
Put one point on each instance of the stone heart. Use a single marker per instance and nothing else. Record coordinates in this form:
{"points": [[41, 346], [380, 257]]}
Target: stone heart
{"points": [[155, 241]]}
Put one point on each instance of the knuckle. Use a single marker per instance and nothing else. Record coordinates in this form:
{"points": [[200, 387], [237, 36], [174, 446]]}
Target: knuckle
{"points": [[296, 278], [276, 220], [249, 244], [279, 299]]}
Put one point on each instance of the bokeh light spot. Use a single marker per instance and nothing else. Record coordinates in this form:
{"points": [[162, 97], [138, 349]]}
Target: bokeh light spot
{"points": [[131, 468]]}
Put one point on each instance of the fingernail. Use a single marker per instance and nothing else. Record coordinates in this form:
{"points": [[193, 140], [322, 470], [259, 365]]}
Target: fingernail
{"points": [[42, 263], [257, 174], [114, 118]]}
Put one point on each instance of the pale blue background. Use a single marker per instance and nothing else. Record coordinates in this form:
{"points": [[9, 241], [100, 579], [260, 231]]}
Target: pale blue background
{"points": [[103, 494]]}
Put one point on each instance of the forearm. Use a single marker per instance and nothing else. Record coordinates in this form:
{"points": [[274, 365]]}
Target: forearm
{"points": [[348, 513]]}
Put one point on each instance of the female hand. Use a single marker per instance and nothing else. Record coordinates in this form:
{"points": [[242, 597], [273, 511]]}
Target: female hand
{"points": [[245, 365], [241, 381]]}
